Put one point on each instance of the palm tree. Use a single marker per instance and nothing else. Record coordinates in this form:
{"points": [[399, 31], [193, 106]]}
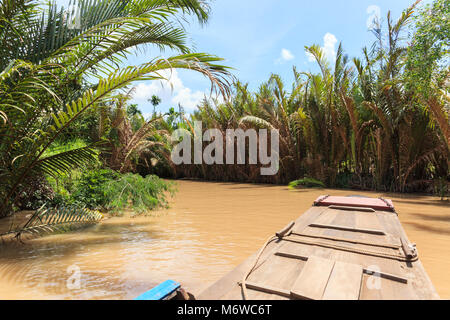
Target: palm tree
{"points": [[279, 110], [45, 64], [130, 136]]}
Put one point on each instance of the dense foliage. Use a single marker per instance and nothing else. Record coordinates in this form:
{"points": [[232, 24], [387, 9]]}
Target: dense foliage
{"points": [[428, 57], [140, 194], [56, 68], [89, 189], [108, 190], [379, 122]]}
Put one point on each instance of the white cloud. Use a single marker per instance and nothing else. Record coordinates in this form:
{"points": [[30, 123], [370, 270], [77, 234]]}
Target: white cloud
{"points": [[188, 99], [329, 48], [285, 55], [310, 56], [145, 91], [172, 90]]}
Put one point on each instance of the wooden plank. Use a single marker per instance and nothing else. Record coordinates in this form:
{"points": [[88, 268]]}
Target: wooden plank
{"points": [[313, 279], [286, 254], [385, 275], [344, 282], [278, 272], [368, 221], [352, 208], [345, 228], [389, 289], [326, 217], [310, 216], [337, 239]]}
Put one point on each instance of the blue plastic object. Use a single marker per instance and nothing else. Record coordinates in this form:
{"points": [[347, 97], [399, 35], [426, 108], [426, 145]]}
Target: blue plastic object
{"points": [[161, 291]]}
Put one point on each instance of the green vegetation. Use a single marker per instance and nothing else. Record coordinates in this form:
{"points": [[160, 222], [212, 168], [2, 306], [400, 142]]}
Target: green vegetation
{"points": [[306, 183], [108, 190], [89, 189], [428, 60], [143, 193], [58, 71]]}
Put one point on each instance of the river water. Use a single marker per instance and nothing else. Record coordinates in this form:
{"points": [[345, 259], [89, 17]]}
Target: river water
{"points": [[209, 229]]}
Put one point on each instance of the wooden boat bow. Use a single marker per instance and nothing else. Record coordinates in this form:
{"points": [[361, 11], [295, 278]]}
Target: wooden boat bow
{"points": [[342, 248]]}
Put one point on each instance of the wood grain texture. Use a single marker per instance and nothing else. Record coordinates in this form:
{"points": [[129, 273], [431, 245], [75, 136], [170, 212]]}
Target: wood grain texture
{"points": [[313, 280], [344, 282]]}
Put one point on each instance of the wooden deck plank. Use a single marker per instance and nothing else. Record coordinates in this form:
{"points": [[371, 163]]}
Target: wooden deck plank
{"points": [[345, 228], [347, 218], [320, 214], [313, 279], [326, 217], [366, 220], [343, 218], [344, 282], [267, 289], [389, 289], [375, 287], [279, 273]]}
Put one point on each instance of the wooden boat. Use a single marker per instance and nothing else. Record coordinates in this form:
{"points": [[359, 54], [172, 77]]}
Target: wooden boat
{"points": [[343, 248]]}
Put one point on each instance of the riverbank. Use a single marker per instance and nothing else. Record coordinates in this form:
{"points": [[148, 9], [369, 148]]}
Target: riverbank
{"points": [[209, 229]]}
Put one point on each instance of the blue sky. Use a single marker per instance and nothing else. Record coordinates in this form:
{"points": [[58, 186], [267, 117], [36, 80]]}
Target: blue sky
{"points": [[261, 37]]}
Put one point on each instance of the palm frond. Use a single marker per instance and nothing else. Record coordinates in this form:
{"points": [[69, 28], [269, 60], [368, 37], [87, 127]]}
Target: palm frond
{"points": [[256, 121], [65, 162], [51, 220]]}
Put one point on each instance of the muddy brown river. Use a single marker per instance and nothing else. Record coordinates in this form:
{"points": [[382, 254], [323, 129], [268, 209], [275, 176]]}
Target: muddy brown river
{"points": [[209, 229]]}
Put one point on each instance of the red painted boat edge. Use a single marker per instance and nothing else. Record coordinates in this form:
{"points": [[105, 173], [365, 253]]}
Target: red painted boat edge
{"points": [[374, 203]]}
